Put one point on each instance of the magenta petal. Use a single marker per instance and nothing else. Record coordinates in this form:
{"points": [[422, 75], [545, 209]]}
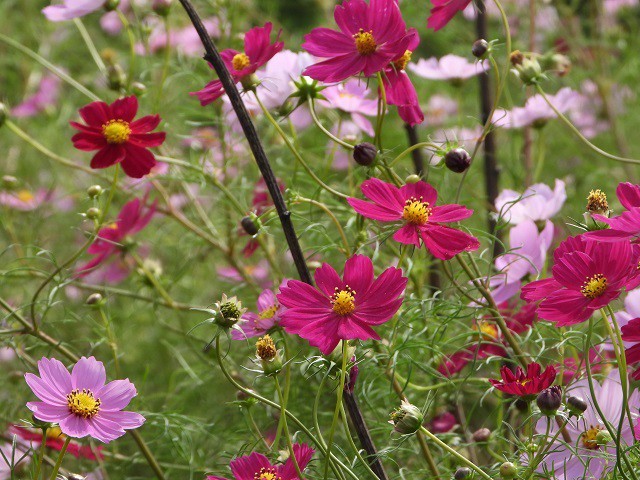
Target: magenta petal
{"points": [[327, 279], [245, 468], [303, 454], [358, 273], [408, 235]]}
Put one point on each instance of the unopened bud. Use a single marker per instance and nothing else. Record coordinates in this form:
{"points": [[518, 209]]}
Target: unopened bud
{"points": [[161, 7], [603, 438], [138, 89], [109, 55], [576, 406], [94, 299], [94, 213], [597, 202], [407, 419], [528, 71], [508, 471], [457, 160], [480, 49], [4, 113], [365, 153], [116, 77], [481, 435], [9, 182], [249, 226], [94, 191], [462, 473], [229, 311], [111, 5], [516, 58], [549, 400], [250, 82], [413, 178]]}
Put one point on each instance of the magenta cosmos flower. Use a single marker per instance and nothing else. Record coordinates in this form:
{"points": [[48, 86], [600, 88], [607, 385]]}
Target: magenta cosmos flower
{"points": [[257, 467], [80, 402], [112, 239], [118, 138], [626, 225], [341, 308], [258, 50], [256, 324], [587, 275], [415, 205], [443, 11], [525, 384], [371, 36]]}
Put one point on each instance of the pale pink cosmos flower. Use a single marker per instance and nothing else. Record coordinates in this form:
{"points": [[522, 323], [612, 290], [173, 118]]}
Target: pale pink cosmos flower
{"points": [[259, 272], [23, 200], [81, 402], [353, 97], [46, 96], [185, 40], [349, 132], [623, 317], [268, 316], [536, 110], [449, 67], [538, 202], [439, 110], [70, 9]]}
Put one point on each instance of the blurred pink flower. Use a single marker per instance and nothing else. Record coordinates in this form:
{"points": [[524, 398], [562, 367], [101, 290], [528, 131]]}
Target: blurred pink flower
{"points": [[186, 40], [70, 9], [443, 423], [439, 110], [538, 202], [45, 97], [449, 67], [23, 200], [536, 111], [352, 97], [260, 273]]}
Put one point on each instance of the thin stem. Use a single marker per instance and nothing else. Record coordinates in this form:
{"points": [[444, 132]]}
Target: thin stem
{"points": [[352, 444], [345, 242], [153, 279], [43, 444], [426, 453], [336, 412], [312, 109], [382, 110], [410, 149], [56, 467], [132, 46], [90, 45], [283, 415]]}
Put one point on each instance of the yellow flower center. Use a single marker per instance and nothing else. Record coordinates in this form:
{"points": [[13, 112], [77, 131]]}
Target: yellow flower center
{"points": [[269, 312], [488, 331], [344, 301], [266, 348], [267, 474], [240, 61], [365, 43], [597, 202], [589, 437], [401, 63], [24, 196], [594, 287], [116, 131], [83, 404], [416, 211]]}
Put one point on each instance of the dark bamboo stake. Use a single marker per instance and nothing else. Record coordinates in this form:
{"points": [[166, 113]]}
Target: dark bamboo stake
{"points": [[491, 170], [416, 155], [213, 57]]}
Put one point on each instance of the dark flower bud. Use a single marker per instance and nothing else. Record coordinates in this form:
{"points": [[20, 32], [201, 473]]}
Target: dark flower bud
{"points": [[457, 160], [111, 5], [462, 473], [522, 405], [549, 400], [480, 48], [4, 113], [94, 191], [94, 299], [516, 58], [249, 226], [365, 153], [94, 213], [576, 406], [508, 470], [161, 7], [481, 435]]}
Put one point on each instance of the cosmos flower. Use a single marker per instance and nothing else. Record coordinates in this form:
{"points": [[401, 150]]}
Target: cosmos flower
{"points": [[439, 110], [579, 455], [70, 9], [449, 67], [625, 225], [443, 11], [46, 96], [258, 50], [537, 203], [186, 40], [259, 272], [109, 247], [257, 324], [415, 205], [443, 423], [536, 110], [80, 402], [257, 467], [23, 200], [525, 384], [587, 276], [352, 97], [341, 308], [118, 138], [371, 36]]}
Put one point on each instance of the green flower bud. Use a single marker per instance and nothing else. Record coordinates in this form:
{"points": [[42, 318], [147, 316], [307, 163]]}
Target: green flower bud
{"points": [[603, 438], [94, 299], [413, 178], [508, 471], [94, 213], [111, 5], [94, 191], [407, 419], [138, 89]]}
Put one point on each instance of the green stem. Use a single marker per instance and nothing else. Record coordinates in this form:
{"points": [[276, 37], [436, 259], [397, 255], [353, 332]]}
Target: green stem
{"points": [[132, 47], [90, 45], [152, 278], [352, 444], [322, 206], [411, 149], [312, 109], [336, 412], [56, 467], [283, 415], [43, 445], [382, 110]]}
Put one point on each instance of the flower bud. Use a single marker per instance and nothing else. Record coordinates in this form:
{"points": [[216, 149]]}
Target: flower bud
{"points": [[116, 77], [481, 435], [269, 357], [549, 400], [75, 476], [603, 438], [528, 70], [138, 89], [508, 471], [365, 153], [111, 5], [250, 82], [480, 48], [413, 178], [94, 191], [94, 299], [94, 213], [4, 113], [249, 226], [350, 382], [516, 58], [457, 160], [407, 419], [576, 406], [462, 473], [161, 7], [9, 182], [228, 311], [597, 202]]}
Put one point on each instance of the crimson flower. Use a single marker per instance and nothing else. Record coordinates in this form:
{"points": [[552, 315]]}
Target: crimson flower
{"points": [[111, 130], [587, 275], [257, 467], [415, 205], [341, 308], [625, 225], [113, 239], [55, 440], [526, 385], [258, 50], [443, 11], [371, 36]]}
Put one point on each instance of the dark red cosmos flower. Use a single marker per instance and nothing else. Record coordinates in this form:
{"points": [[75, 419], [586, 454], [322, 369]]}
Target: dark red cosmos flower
{"points": [[526, 385], [55, 440], [111, 130]]}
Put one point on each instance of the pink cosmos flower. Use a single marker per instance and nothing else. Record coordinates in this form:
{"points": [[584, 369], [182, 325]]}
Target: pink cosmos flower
{"points": [[398, 87], [70, 9], [580, 456], [626, 225], [80, 402], [258, 50], [348, 132], [186, 40], [341, 308], [443, 11], [259, 272], [371, 36], [46, 96], [109, 248], [537, 203], [536, 110], [352, 97], [257, 324], [257, 467], [449, 67], [587, 275], [631, 337], [23, 200], [631, 308], [439, 110], [415, 205], [525, 384]]}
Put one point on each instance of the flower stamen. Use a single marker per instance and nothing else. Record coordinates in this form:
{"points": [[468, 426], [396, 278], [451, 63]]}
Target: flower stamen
{"points": [[343, 301], [240, 61], [416, 211], [116, 132], [401, 63], [365, 43], [268, 313], [594, 287], [267, 474], [589, 437], [82, 403]]}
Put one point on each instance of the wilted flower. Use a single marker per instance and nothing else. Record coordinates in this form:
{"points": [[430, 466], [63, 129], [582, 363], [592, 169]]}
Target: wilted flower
{"points": [[228, 311]]}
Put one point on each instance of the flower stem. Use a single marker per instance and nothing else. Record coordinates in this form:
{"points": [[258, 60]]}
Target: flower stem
{"points": [[90, 45], [287, 435], [43, 445], [336, 412], [312, 109], [56, 467]]}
